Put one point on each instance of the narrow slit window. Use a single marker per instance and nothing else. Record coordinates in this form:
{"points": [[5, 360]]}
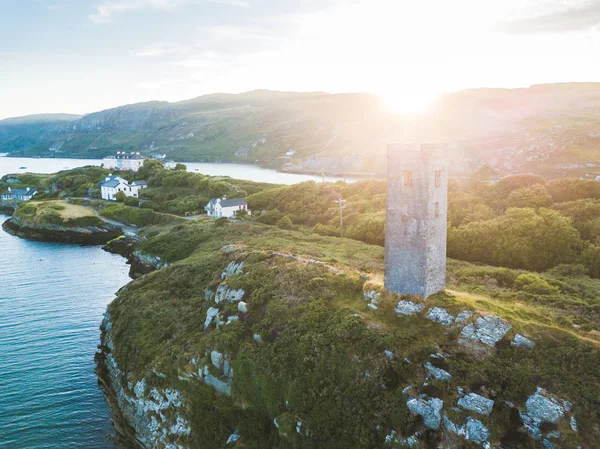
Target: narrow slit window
{"points": [[438, 178], [437, 209], [407, 177]]}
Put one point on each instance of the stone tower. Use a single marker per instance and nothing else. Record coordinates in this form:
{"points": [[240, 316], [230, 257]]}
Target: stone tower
{"points": [[417, 208]]}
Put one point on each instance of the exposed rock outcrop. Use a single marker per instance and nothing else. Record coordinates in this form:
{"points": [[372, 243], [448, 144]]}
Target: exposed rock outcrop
{"points": [[91, 235]]}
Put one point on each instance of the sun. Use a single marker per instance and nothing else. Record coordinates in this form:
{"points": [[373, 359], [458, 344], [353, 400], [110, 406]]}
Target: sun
{"points": [[411, 100]]}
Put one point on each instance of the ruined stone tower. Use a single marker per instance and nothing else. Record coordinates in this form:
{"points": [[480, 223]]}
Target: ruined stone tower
{"points": [[417, 205]]}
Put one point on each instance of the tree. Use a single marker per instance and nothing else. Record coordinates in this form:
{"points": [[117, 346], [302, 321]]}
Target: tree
{"points": [[182, 167], [149, 169], [570, 189], [120, 197], [131, 201], [534, 196], [521, 238]]}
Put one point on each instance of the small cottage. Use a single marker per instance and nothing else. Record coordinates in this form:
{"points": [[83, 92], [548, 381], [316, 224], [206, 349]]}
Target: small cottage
{"points": [[112, 185], [218, 208], [18, 194]]}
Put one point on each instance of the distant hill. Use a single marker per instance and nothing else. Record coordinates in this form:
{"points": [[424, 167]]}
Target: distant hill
{"points": [[550, 128]]}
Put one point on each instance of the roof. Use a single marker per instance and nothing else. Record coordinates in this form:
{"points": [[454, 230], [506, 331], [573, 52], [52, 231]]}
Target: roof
{"points": [[113, 183], [234, 202], [139, 183], [227, 203], [20, 192]]}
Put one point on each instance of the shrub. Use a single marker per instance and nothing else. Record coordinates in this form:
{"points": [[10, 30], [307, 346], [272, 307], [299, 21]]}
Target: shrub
{"points": [[533, 196], [568, 270], [120, 197], [532, 283], [132, 201], [326, 230], [285, 223]]}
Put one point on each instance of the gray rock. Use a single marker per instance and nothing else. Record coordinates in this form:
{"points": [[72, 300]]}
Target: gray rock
{"points": [[243, 307], [522, 342], [407, 389], [408, 308], [372, 296], [476, 431], [389, 354], [219, 385], [428, 409], [542, 407], [463, 317], [258, 338], [231, 319], [436, 373], [235, 436], [441, 316], [573, 424], [549, 444], [217, 359], [372, 306], [232, 269], [489, 330], [476, 403], [210, 315]]}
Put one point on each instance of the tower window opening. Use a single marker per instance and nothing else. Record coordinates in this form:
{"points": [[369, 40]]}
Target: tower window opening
{"points": [[438, 178], [407, 178], [437, 209]]}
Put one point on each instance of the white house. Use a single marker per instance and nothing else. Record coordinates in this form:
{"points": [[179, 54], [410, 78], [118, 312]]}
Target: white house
{"points": [[19, 194], [217, 207], [111, 185], [124, 161]]}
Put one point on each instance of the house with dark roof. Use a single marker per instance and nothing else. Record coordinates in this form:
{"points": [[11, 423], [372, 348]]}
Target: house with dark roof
{"points": [[18, 194], [112, 185], [141, 184], [218, 208]]}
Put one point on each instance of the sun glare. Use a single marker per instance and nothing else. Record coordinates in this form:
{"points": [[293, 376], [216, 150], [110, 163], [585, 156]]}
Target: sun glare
{"points": [[408, 101]]}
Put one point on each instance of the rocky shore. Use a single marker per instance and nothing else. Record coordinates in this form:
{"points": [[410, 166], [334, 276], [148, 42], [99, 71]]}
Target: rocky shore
{"points": [[90, 235]]}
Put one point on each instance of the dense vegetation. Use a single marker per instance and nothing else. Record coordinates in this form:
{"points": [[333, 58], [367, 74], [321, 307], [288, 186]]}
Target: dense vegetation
{"points": [[58, 213], [521, 221], [323, 365]]}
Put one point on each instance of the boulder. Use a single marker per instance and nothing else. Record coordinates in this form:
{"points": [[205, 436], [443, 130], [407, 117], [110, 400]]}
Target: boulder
{"points": [[476, 403], [441, 316], [243, 307], [436, 373], [522, 342], [476, 431], [210, 315], [217, 359], [429, 410], [489, 330]]}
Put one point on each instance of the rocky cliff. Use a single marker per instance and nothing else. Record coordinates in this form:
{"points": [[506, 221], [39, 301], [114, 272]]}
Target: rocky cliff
{"points": [[253, 337]]}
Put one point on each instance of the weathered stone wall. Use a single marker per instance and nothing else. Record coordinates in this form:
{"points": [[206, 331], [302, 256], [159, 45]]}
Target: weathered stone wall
{"points": [[415, 241]]}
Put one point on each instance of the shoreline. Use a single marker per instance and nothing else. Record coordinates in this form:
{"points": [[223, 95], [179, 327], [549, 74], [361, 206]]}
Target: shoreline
{"points": [[266, 166]]}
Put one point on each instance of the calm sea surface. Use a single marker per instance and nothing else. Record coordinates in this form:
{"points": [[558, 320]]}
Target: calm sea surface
{"points": [[237, 171], [52, 298]]}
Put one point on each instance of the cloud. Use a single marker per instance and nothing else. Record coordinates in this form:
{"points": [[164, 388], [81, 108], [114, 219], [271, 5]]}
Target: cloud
{"points": [[109, 8], [582, 17]]}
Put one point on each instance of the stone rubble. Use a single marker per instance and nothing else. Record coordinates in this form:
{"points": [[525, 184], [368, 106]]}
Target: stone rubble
{"points": [[408, 308], [232, 269], [441, 316]]}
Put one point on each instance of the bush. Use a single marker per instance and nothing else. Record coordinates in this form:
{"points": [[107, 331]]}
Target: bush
{"points": [[532, 283], [132, 201], [285, 223], [568, 270], [120, 197], [326, 230], [533, 196]]}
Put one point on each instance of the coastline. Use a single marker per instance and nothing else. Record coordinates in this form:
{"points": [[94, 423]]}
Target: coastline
{"points": [[61, 234]]}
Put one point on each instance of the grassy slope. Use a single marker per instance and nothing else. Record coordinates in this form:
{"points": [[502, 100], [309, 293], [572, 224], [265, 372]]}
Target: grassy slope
{"points": [[57, 213], [329, 365]]}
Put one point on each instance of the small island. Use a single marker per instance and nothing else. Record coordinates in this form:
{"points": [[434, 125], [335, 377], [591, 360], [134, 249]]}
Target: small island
{"points": [[60, 221]]}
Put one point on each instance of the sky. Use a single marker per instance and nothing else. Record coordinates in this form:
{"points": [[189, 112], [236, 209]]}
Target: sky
{"points": [[81, 56]]}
